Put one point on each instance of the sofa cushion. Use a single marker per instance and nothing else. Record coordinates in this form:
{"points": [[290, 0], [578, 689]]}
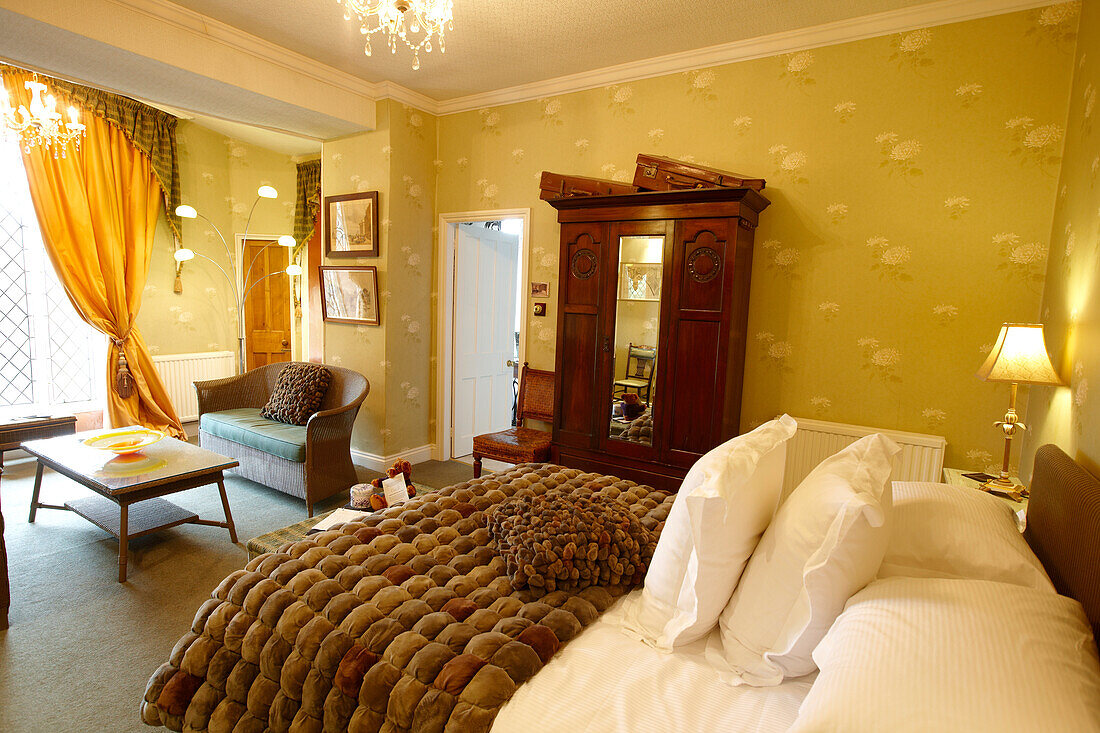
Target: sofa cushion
{"points": [[246, 426], [298, 393]]}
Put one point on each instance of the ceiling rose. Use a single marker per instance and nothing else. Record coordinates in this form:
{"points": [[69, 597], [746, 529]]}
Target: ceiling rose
{"points": [[413, 22]]}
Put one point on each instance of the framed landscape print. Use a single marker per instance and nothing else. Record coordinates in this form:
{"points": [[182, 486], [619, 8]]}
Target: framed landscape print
{"points": [[350, 294], [351, 225], [640, 281]]}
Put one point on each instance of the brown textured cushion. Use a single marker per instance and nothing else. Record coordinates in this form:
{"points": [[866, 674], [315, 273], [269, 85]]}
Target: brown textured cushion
{"points": [[560, 541], [298, 393]]}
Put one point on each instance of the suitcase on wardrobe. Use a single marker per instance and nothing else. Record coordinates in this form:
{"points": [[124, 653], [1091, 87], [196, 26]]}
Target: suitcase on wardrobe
{"points": [[655, 173], [558, 186]]}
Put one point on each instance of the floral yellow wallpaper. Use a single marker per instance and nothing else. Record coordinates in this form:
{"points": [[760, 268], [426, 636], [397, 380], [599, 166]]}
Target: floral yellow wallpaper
{"points": [[219, 177], [1069, 416], [353, 164], [912, 178], [397, 159]]}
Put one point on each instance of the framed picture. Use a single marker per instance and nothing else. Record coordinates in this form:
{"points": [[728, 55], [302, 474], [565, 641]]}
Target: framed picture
{"points": [[351, 225], [640, 281], [540, 290], [350, 294]]}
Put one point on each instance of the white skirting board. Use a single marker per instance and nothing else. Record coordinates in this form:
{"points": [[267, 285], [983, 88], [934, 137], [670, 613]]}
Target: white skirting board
{"points": [[380, 463], [921, 457]]}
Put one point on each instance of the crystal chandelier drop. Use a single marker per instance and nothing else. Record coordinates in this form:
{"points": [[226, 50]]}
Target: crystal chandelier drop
{"points": [[42, 124], [413, 22]]}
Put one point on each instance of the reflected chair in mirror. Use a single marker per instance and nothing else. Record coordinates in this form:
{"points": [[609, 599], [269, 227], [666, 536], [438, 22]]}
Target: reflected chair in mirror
{"points": [[643, 359], [521, 444]]}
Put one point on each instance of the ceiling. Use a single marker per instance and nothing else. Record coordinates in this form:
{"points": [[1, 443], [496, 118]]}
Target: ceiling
{"points": [[504, 43]]}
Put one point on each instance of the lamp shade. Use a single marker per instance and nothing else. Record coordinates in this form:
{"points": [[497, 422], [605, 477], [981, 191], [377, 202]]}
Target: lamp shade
{"points": [[267, 192], [183, 254], [286, 241], [186, 212], [293, 270], [1020, 355]]}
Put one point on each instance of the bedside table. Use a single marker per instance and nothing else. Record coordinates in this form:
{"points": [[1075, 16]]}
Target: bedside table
{"points": [[954, 476]]}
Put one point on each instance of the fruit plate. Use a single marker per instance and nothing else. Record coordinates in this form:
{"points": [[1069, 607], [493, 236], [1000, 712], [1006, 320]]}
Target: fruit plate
{"points": [[124, 440]]}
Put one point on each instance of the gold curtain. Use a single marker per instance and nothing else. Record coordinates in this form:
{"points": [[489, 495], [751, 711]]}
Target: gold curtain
{"points": [[97, 209]]}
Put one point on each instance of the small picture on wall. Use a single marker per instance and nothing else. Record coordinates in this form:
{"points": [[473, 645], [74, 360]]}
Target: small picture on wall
{"points": [[540, 290], [350, 294], [351, 225], [640, 281]]}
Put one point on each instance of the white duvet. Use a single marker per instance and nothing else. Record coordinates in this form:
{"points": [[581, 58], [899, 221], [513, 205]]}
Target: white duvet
{"points": [[604, 682]]}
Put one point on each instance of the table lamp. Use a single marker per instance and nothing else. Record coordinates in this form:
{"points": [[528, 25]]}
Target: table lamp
{"points": [[1020, 355]]}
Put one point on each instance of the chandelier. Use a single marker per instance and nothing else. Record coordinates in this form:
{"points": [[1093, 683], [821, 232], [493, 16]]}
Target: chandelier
{"points": [[414, 22], [42, 124]]}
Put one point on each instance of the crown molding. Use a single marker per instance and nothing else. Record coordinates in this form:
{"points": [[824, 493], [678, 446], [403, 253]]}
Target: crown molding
{"points": [[941, 12], [398, 93], [827, 34]]}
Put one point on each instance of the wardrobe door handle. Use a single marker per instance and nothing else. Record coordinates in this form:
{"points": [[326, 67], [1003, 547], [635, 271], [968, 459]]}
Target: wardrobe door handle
{"points": [[606, 345]]}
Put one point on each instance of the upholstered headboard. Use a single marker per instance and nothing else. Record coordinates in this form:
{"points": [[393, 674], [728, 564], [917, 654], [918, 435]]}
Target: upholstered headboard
{"points": [[1063, 527]]}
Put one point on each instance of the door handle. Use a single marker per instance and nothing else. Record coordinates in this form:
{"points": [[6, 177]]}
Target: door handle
{"points": [[606, 345], [511, 363]]}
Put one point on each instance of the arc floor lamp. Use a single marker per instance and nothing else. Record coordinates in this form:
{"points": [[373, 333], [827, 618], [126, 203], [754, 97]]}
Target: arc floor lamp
{"points": [[292, 270]]}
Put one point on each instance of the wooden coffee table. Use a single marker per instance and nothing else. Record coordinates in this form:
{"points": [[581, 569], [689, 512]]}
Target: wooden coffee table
{"points": [[121, 481]]}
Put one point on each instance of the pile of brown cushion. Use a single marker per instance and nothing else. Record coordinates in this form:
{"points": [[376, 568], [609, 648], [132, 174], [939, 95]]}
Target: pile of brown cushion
{"points": [[640, 430], [298, 393], [406, 621], [557, 541]]}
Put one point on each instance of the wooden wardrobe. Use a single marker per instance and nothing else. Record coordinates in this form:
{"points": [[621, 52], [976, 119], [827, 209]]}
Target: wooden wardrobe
{"points": [[669, 270]]}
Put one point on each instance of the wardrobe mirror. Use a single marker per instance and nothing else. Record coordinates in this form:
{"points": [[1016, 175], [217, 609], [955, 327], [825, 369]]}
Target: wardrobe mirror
{"points": [[637, 326]]}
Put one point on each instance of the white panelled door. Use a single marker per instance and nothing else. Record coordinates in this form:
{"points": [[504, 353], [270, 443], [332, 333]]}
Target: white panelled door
{"points": [[484, 333]]}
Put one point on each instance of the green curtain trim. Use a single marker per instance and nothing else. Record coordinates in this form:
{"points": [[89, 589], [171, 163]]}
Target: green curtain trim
{"points": [[150, 130], [307, 203]]}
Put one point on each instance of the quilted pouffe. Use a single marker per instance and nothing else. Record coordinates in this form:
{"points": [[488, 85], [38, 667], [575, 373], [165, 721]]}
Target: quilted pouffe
{"points": [[406, 621]]}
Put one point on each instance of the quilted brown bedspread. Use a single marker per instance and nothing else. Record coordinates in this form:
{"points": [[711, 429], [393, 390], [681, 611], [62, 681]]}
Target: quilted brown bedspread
{"points": [[405, 622]]}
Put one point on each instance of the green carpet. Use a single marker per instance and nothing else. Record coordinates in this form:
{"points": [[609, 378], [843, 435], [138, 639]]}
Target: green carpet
{"points": [[81, 645]]}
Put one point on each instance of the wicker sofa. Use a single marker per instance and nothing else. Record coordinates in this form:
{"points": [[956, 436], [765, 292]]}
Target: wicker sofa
{"points": [[312, 462]]}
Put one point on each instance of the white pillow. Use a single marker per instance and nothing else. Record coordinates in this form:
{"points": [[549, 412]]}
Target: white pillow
{"points": [[725, 503], [933, 654], [825, 543], [943, 531]]}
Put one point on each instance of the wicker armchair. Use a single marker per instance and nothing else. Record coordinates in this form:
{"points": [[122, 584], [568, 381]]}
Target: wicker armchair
{"points": [[324, 467], [521, 444]]}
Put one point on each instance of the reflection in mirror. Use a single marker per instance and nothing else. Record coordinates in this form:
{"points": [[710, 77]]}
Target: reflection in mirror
{"points": [[637, 326]]}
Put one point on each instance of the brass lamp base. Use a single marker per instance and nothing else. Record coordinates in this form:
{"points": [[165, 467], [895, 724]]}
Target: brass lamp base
{"points": [[1003, 485], [1007, 489]]}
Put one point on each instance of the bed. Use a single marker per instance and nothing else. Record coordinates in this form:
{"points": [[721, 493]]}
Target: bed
{"points": [[409, 623]]}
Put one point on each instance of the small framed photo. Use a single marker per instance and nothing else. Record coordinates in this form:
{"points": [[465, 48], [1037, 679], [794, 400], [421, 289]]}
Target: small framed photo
{"points": [[351, 225], [540, 290], [640, 281], [350, 294]]}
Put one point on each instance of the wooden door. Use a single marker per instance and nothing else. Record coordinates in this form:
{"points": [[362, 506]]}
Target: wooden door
{"points": [[581, 345], [267, 307], [482, 393]]}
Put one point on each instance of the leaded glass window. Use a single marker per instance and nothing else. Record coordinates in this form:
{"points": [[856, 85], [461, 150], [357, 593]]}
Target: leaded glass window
{"points": [[50, 360]]}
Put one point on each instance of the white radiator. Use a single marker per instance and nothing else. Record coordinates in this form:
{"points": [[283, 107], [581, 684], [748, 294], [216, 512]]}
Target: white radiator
{"points": [[921, 457], [179, 372]]}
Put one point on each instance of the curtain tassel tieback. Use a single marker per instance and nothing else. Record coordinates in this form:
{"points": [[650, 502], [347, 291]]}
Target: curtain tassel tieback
{"points": [[124, 380]]}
